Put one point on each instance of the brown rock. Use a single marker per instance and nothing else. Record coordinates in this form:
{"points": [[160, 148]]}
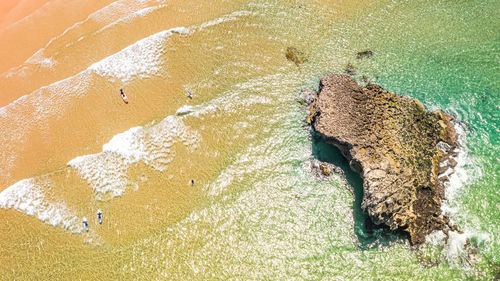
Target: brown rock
{"points": [[325, 170], [293, 54], [364, 54], [349, 69], [308, 95], [443, 179], [442, 169], [392, 142]]}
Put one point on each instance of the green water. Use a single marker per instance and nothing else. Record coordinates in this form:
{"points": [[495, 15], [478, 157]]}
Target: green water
{"points": [[262, 215], [271, 220]]}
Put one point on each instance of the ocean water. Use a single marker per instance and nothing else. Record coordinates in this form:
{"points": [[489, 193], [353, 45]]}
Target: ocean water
{"points": [[255, 211]]}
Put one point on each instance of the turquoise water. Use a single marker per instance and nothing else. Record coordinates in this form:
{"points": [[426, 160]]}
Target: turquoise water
{"points": [[261, 214], [272, 220]]}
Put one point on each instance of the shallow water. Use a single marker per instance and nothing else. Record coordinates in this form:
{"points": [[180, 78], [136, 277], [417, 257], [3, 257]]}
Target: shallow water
{"points": [[71, 146]]}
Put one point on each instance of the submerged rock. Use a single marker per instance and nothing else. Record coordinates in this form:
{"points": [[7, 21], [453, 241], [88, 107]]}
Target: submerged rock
{"points": [[396, 146], [296, 56], [323, 170], [364, 54], [349, 69], [308, 95]]}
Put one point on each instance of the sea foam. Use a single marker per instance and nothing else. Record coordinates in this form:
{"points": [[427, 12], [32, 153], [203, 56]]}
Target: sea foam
{"points": [[141, 59], [463, 174], [115, 13], [137, 60], [106, 172], [28, 197]]}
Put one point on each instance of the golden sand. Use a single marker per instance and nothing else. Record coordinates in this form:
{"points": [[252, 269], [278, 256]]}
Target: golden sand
{"points": [[39, 142]]}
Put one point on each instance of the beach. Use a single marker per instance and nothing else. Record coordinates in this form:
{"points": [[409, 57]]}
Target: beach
{"points": [[218, 185]]}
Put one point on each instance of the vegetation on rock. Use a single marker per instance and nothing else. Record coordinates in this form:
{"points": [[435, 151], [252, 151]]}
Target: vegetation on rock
{"points": [[397, 147]]}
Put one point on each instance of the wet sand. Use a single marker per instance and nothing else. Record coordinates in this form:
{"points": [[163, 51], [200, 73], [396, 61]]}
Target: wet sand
{"points": [[66, 111]]}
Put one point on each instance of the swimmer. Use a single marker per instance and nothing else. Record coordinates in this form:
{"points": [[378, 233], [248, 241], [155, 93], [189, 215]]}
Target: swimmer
{"points": [[85, 224], [99, 216]]}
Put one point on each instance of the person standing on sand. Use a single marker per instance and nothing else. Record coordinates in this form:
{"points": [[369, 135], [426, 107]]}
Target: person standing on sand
{"points": [[85, 224], [99, 216]]}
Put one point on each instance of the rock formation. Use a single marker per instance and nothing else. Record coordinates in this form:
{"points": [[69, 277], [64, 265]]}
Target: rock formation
{"points": [[296, 56], [364, 54], [396, 146]]}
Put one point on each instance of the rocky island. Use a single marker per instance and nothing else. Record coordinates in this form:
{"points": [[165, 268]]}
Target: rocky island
{"points": [[396, 145]]}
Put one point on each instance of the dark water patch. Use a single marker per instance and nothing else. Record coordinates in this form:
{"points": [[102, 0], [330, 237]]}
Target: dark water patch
{"points": [[369, 235]]}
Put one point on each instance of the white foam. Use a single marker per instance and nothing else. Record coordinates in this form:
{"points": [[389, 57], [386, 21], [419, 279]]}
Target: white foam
{"points": [[28, 197], [461, 175], [28, 17], [129, 17], [141, 59], [36, 109], [146, 11], [112, 14], [455, 249], [229, 17], [185, 109], [126, 144], [106, 171], [37, 58], [121, 7]]}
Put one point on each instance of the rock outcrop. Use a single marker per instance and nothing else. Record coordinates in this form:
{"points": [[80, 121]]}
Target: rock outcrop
{"points": [[364, 54], [395, 145], [296, 56]]}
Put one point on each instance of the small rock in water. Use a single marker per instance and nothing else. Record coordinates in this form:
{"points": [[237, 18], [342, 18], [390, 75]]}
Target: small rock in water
{"points": [[364, 54], [308, 95], [325, 170], [296, 56], [350, 69]]}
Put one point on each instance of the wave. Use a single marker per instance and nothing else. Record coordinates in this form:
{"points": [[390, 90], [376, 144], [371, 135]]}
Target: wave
{"points": [[141, 60], [462, 175], [137, 60], [29, 16], [153, 144], [106, 172], [29, 197], [112, 14]]}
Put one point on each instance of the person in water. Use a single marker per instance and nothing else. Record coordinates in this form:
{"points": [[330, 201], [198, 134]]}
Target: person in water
{"points": [[190, 95], [99, 216], [122, 93], [85, 224]]}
